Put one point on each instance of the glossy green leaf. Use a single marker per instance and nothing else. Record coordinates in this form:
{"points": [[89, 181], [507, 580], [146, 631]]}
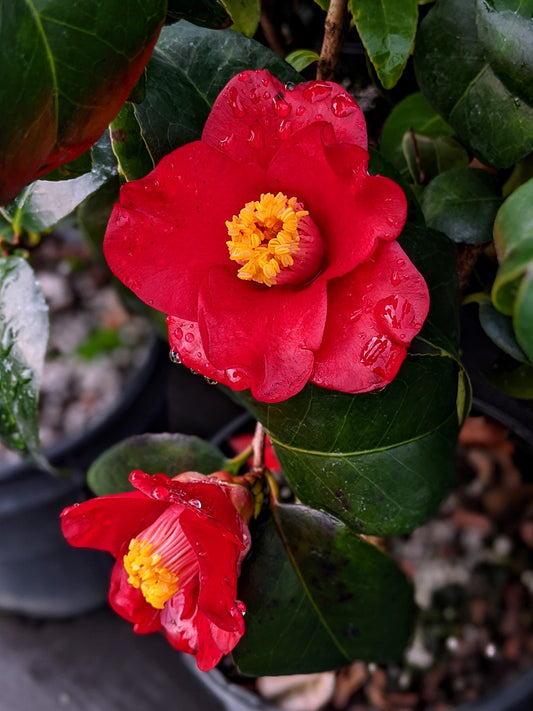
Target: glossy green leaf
{"points": [[387, 29], [245, 15], [516, 381], [43, 203], [462, 203], [428, 156], [412, 113], [79, 166], [189, 67], [133, 157], [69, 66], [318, 597], [523, 313], [498, 327], [302, 58], [23, 339], [477, 86], [513, 239], [206, 13], [170, 454]]}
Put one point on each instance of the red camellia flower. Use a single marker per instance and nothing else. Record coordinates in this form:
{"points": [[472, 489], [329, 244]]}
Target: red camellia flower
{"points": [[271, 248], [179, 544]]}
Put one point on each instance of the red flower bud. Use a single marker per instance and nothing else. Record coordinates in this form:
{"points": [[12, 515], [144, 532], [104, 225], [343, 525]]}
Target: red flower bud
{"points": [[179, 544]]}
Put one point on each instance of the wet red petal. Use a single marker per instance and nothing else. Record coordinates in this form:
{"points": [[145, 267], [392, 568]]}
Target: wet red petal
{"points": [[267, 334], [109, 522], [255, 113], [169, 227], [373, 314], [130, 604]]}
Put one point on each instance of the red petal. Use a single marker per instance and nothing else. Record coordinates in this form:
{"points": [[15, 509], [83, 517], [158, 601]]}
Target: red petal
{"points": [[130, 604], [169, 228], [214, 642], [109, 522], [269, 334], [219, 559], [351, 208], [185, 340], [373, 314], [255, 113]]}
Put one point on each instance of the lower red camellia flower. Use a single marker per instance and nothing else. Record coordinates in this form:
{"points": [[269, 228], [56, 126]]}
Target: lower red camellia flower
{"points": [[271, 248], [179, 544]]}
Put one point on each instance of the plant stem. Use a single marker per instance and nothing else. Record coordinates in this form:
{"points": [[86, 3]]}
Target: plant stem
{"points": [[334, 27], [258, 448]]}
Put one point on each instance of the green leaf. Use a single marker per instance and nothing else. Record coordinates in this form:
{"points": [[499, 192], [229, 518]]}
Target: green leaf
{"points": [[498, 327], [477, 86], [462, 203], [43, 203], [302, 58], [516, 381], [170, 454], [23, 339], [79, 166], [381, 462], [412, 113], [72, 63], [523, 312], [427, 156], [245, 15], [189, 67], [133, 157], [513, 239], [207, 13], [387, 29], [318, 597]]}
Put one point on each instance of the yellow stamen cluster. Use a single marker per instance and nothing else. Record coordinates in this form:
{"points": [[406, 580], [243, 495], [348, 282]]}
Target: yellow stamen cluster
{"points": [[264, 237], [156, 583]]}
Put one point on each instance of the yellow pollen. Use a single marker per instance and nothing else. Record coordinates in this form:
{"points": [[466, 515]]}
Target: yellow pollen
{"points": [[264, 237], [156, 583]]}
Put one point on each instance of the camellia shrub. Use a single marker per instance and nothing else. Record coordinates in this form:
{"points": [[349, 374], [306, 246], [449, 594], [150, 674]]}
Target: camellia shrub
{"points": [[311, 275]]}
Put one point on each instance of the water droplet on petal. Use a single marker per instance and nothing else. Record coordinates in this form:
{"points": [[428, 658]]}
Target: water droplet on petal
{"points": [[160, 492], [342, 105], [281, 107], [256, 138], [225, 143], [174, 357], [189, 337], [235, 102], [396, 312], [122, 219], [264, 81], [243, 76], [290, 86], [254, 96], [395, 278], [178, 333], [374, 349], [266, 95], [284, 129], [234, 375], [300, 111], [369, 286], [355, 315], [400, 262], [196, 503], [317, 91]]}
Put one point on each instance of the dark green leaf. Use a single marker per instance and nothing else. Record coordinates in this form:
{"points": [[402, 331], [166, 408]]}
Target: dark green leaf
{"points": [[207, 13], [387, 29], [318, 597], [69, 66], [415, 113], [189, 67], [23, 339], [523, 314], [427, 156], [499, 328], [474, 87], [513, 239], [302, 58], [170, 454], [382, 461], [462, 203], [43, 203], [79, 166], [134, 159], [245, 15], [516, 381]]}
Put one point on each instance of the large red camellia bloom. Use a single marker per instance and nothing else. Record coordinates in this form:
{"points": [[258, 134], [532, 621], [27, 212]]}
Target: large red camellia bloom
{"points": [[271, 248], [179, 544]]}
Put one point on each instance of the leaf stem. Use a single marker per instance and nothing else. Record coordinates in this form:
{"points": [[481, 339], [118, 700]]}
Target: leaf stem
{"points": [[258, 449], [334, 27]]}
